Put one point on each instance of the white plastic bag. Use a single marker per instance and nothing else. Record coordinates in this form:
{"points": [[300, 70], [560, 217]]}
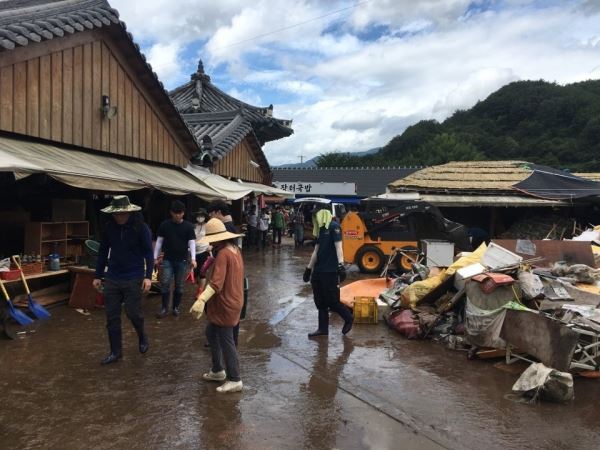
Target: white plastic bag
{"points": [[544, 383]]}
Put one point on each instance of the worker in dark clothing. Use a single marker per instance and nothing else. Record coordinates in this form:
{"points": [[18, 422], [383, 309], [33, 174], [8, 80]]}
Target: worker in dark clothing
{"points": [[129, 241], [178, 239], [325, 271]]}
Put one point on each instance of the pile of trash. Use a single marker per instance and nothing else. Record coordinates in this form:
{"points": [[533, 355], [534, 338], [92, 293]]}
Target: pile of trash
{"points": [[512, 299]]}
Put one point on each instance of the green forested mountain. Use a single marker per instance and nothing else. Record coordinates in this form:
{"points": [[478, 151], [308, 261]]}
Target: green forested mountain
{"points": [[536, 121]]}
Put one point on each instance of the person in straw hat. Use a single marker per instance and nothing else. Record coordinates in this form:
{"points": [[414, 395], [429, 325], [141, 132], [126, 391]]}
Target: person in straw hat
{"points": [[130, 265], [223, 299]]}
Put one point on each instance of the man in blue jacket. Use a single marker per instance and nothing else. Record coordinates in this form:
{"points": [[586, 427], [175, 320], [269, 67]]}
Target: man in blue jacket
{"points": [[129, 271]]}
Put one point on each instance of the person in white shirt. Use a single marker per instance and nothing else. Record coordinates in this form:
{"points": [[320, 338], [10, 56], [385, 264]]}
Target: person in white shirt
{"points": [[252, 220], [263, 228], [202, 248]]}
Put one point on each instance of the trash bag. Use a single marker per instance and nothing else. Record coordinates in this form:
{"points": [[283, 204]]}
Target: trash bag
{"points": [[405, 323], [482, 326], [581, 272], [414, 293], [543, 383], [531, 285]]}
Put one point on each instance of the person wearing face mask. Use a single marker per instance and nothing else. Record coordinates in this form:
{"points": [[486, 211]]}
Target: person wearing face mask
{"points": [[202, 249]]}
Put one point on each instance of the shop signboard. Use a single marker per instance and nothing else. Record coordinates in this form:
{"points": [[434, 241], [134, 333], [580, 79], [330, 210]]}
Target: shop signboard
{"points": [[317, 188]]}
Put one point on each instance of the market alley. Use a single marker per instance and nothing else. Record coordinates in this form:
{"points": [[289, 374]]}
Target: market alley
{"points": [[372, 389]]}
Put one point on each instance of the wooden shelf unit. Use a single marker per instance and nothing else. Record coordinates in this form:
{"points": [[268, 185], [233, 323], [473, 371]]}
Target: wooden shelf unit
{"points": [[65, 238]]}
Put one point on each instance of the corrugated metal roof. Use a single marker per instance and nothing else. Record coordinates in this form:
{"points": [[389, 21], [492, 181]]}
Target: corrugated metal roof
{"points": [[466, 175], [369, 180]]}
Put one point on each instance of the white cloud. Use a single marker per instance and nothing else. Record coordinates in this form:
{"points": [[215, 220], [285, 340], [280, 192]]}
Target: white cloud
{"points": [[344, 93]]}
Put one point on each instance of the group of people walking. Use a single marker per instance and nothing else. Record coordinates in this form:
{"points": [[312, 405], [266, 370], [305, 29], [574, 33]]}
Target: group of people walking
{"points": [[278, 220], [126, 261]]}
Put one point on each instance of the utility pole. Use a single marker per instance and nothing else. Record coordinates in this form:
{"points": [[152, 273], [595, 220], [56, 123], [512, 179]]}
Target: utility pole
{"points": [[301, 158]]}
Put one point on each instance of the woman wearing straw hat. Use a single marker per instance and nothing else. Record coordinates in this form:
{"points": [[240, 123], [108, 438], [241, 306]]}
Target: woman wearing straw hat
{"points": [[223, 299]]}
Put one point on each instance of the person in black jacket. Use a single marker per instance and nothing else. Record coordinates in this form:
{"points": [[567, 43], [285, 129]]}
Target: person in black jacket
{"points": [[129, 272]]}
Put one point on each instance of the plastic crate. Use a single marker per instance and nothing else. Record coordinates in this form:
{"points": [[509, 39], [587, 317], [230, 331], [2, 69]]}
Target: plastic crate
{"points": [[365, 310], [9, 275]]}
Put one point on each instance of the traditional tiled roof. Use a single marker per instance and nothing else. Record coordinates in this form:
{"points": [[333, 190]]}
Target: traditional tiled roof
{"points": [[226, 130], [369, 180], [472, 176], [25, 22], [201, 102]]}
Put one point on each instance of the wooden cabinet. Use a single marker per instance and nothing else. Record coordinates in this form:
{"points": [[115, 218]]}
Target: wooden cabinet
{"points": [[65, 238]]}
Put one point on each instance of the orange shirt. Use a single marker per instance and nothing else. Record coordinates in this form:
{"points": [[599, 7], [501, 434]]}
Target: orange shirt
{"points": [[227, 280]]}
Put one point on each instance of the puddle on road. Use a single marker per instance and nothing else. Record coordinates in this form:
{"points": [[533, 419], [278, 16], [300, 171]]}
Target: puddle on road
{"points": [[283, 313]]}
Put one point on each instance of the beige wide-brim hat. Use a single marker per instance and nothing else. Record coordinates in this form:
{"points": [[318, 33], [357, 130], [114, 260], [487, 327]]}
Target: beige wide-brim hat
{"points": [[120, 204], [216, 231]]}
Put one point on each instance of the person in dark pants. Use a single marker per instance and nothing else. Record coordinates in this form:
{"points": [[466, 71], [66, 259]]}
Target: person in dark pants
{"points": [[218, 209], [252, 221], [223, 300], [129, 241], [278, 225], [202, 250], [325, 271], [178, 238]]}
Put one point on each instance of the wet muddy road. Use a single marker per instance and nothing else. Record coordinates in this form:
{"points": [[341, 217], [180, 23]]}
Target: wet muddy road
{"points": [[372, 389]]}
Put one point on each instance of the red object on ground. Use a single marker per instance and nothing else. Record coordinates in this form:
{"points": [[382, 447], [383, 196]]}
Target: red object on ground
{"points": [[99, 299], [9, 275], [404, 323]]}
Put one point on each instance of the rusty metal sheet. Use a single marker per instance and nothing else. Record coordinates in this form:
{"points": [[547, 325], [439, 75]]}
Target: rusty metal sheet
{"points": [[573, 252], [537, 335]]}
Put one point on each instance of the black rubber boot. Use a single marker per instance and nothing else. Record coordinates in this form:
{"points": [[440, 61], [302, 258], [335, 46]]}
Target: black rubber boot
{"points": [[323, 329], [176, 302], [114, 339], [345, 313], [144, 345]]}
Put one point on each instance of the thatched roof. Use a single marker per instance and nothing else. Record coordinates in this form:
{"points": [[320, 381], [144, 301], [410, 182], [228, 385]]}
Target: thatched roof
{"points": [[594, 176], [475, 176]]}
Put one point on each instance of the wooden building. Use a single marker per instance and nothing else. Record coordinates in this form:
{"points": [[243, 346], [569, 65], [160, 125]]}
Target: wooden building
{"points": [[82, 116]]}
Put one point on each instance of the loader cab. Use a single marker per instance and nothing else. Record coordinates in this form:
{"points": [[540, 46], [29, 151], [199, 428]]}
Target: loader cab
{"points": [[306, 205]]}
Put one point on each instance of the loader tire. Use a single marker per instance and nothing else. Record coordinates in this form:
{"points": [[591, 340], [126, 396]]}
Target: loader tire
{"points": [[403, 263], [370, 259]]}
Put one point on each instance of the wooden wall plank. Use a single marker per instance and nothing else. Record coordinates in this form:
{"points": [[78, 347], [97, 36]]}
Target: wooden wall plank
{"points": [[96, 101], [149, 155], [67, 91], [33, 97], [121, 111], [135, 122], [6, 98], [105, 90], [142, 113], [155, 153], [20, 98], [87, 96], [78, 95], [57, 96], [45, 96], [128, 118], [114, 100]]}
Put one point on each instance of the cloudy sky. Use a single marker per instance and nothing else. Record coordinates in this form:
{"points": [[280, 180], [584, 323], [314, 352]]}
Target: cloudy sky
{"points": [[353, 74]]}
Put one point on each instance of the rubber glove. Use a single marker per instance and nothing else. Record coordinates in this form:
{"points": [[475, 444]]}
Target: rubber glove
{"points": [[197, 308], [306, 275], [341, 272]]}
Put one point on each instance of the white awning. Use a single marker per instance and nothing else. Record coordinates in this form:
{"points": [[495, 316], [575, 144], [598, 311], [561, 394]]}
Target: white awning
{"points": [[233, 190], [96, 171]]}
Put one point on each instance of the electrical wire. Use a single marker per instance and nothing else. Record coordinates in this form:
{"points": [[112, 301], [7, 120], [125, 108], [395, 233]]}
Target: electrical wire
{"points": [[279, 30]]}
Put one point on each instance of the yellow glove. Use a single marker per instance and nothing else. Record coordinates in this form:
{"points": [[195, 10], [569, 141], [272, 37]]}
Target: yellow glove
{"points": [[198, 306]]}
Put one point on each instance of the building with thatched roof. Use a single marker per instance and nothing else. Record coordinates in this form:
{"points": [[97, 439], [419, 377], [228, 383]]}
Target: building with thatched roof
{"points": [[493, 194]]}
